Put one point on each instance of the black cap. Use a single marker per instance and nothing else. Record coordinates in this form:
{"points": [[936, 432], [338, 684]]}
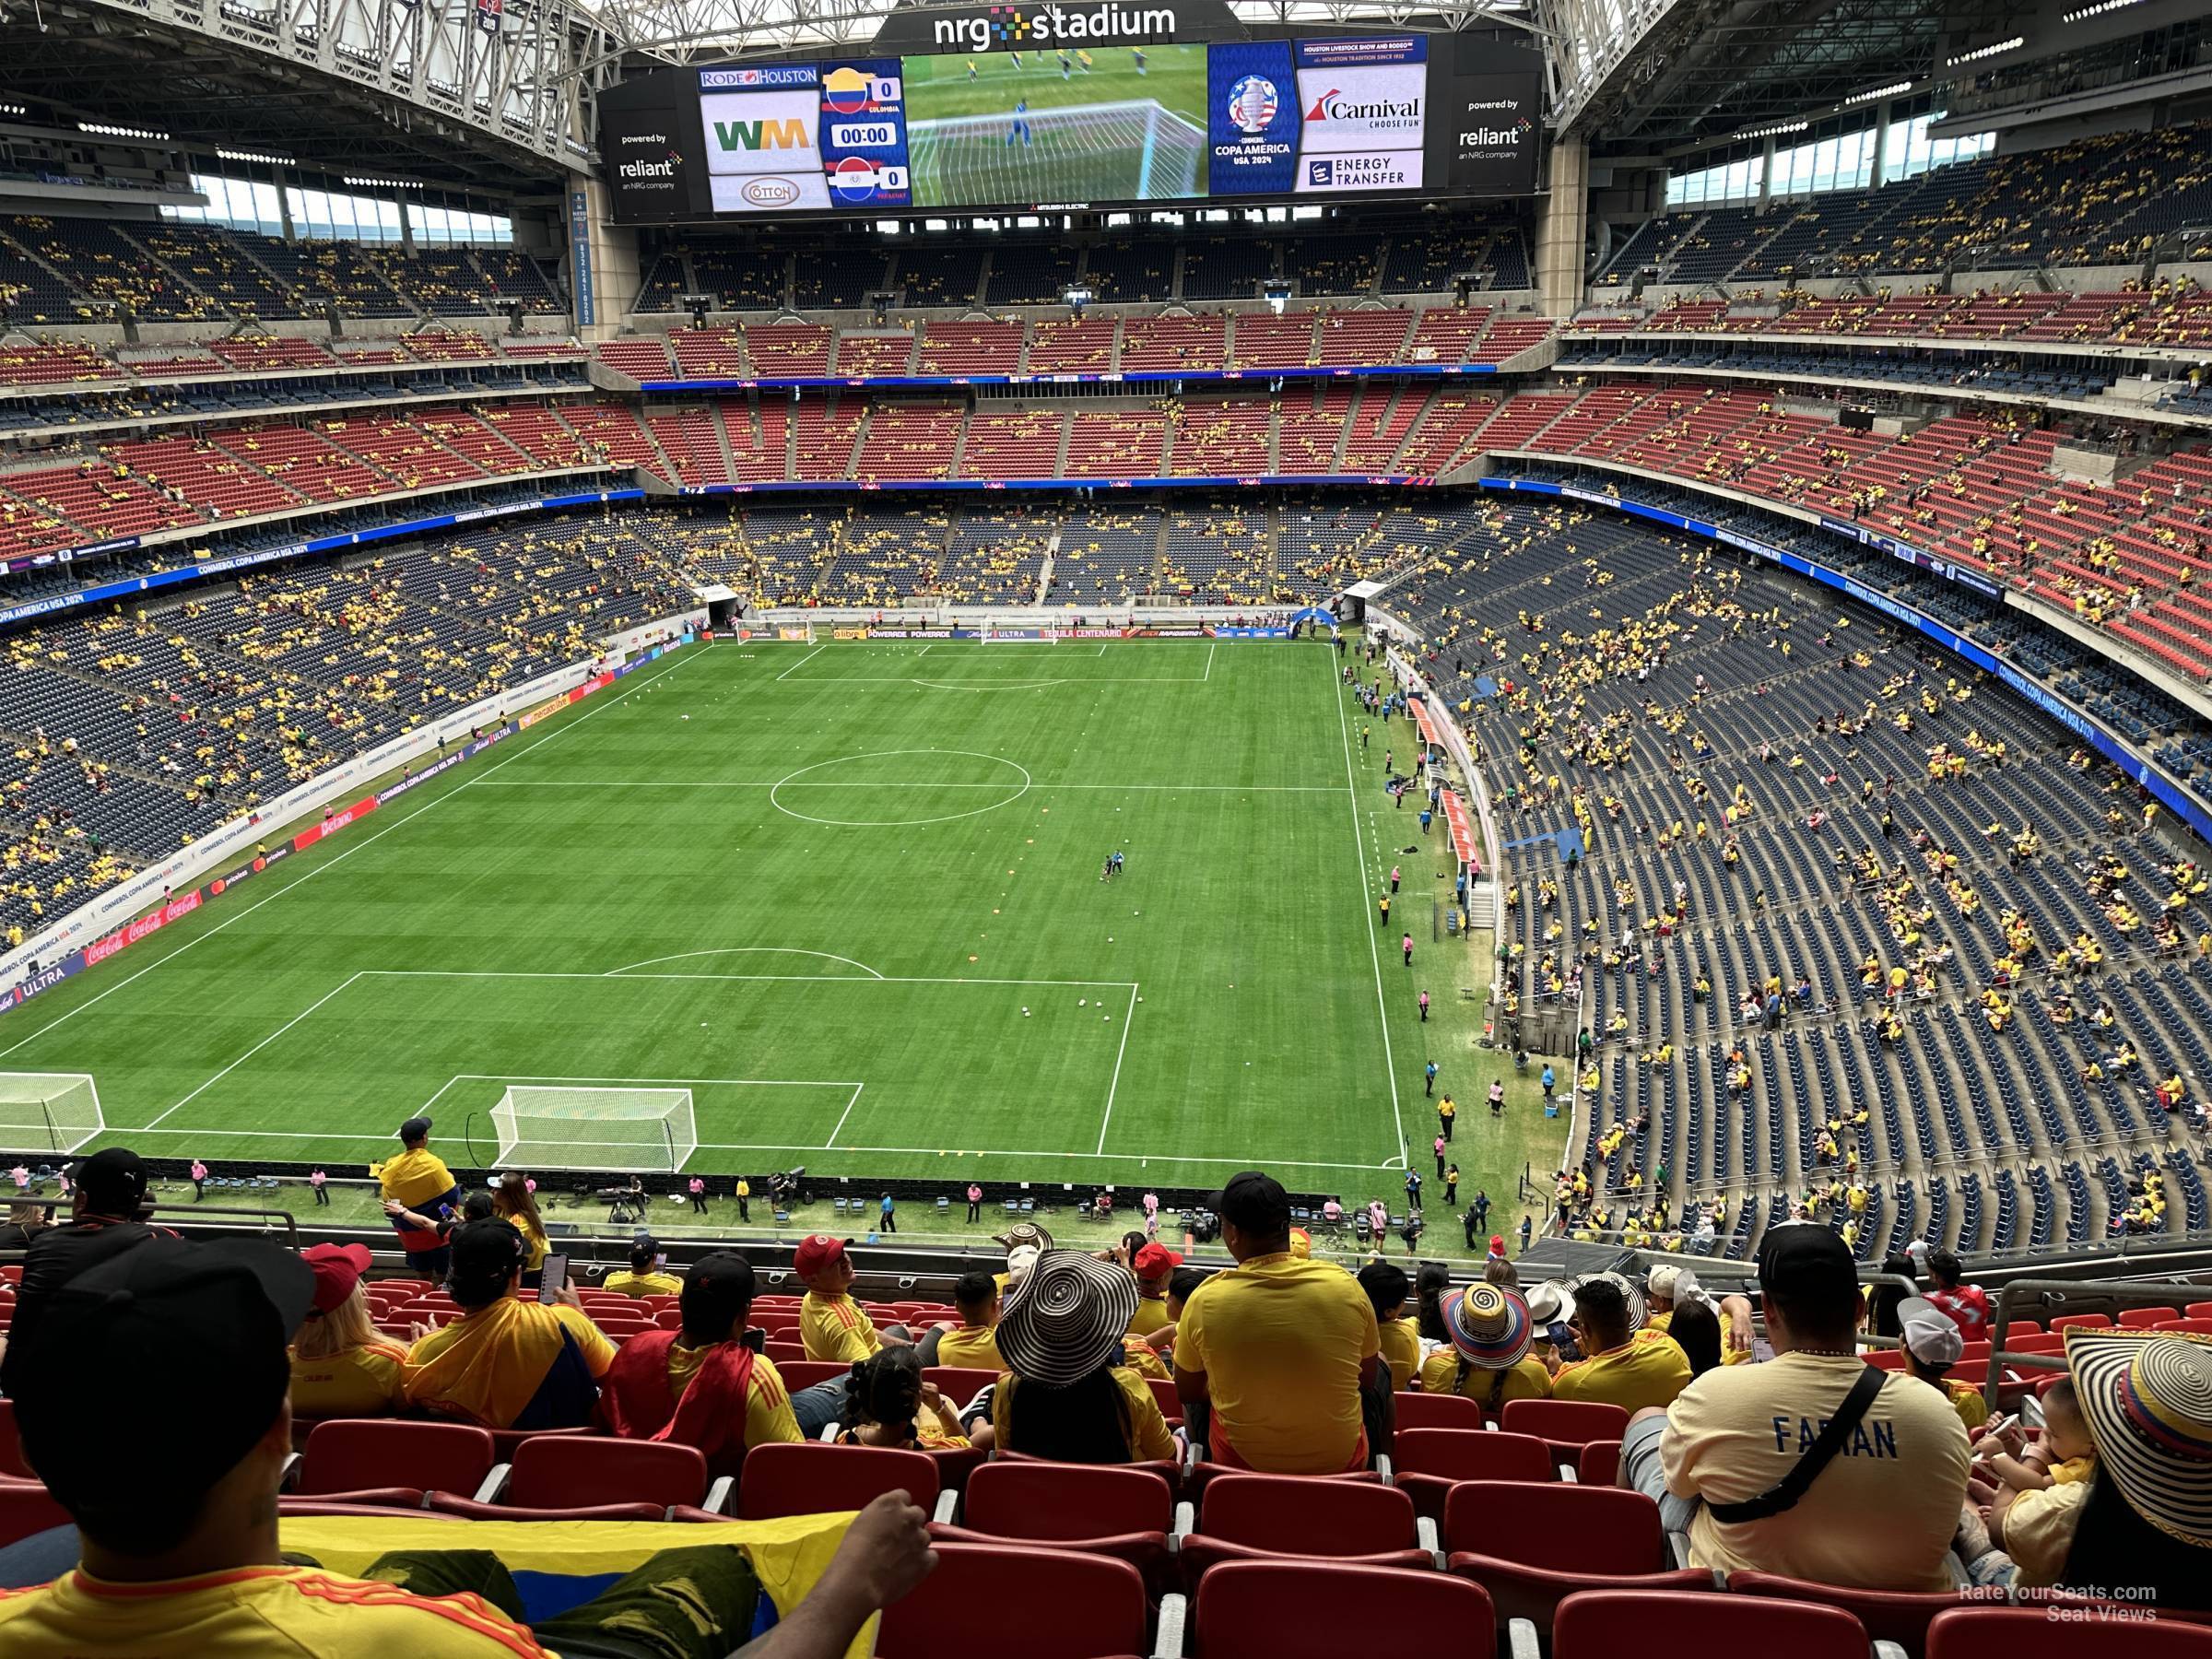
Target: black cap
{"points": [[1803, 1264], [718, 1289], [218, 1316], [112, 1182], [485, 1255], [1255, 1203], [414, 1129]]}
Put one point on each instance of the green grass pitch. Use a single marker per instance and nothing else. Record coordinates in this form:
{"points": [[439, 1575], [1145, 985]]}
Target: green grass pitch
{"points": [[849, 895]]}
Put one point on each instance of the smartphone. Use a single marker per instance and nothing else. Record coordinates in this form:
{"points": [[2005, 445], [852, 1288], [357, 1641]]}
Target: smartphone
{"points": [[755, 1338], [556, 1279], [660, 1261]]}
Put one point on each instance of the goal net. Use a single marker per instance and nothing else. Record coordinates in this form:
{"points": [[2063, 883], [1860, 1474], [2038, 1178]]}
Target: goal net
{"points": [[48, 1112], [644, 1131]]}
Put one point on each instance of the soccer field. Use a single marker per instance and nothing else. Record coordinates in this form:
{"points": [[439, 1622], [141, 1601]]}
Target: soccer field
{"points": [[849, 895]]}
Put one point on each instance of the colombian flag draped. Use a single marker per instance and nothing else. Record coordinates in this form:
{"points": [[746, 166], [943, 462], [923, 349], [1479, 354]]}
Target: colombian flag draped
{"points": [[558, 1565]]}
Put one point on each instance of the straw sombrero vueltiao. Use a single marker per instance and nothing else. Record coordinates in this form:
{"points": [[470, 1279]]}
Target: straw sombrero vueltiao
{"points": [[1066, 1318], [2148, 1402], [1489, 1325]]}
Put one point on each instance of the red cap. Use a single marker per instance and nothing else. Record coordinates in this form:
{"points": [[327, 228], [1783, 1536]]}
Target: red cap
{"points": [[1157, 1261], [816, 1251], [338, 1268], [1497, 1244]]}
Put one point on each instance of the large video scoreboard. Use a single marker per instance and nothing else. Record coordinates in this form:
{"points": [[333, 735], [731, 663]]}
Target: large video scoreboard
{"points": [[1075, 106]]}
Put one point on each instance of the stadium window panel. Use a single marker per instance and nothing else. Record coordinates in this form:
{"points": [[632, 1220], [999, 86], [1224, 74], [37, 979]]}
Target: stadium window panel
{"points": [[387, 221]]}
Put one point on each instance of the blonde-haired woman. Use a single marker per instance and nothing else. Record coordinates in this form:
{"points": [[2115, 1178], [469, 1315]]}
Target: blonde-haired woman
{"points": [[513, 1200], [342, 1365]]}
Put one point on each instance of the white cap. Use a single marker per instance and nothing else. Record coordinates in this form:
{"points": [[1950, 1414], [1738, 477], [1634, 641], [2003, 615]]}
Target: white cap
{"points": [[1020, 1259], [1931, 1335]]}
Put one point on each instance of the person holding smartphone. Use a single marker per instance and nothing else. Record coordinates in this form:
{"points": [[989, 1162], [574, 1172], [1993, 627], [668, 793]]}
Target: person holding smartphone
{"points": [[509, 1361], [644, 1276]]}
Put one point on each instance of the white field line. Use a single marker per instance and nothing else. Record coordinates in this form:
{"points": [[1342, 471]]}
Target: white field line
{"points": [[805, 979], [1390, 1065], [325, 866], [843, 1115], [801, 662], [256, 1049], [1128, 1019]]}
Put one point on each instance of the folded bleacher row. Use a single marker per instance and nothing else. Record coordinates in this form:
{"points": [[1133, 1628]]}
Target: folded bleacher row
{"points": [[60, 270], [2165, 315], [1985, 1134], [763, 272], [128, 734], [2119, 198]]}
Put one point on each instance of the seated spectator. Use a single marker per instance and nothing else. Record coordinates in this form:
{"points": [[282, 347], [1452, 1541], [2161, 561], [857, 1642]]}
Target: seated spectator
{"points": [[1881, 1307], [1619, 1367], [1490, 1334], [1932, 1343], [832, 1325], [973, 1344], [1879, 1515], [1065, 1394], [419, 1183], [1278, 1345], [702, 1386], [1659, 1287], [1155, 1265], [2144, 1517], [342, 1365], [888, 1404], [1967, 1305], [24, 1223], [196, 1549], [104, 1210], [644, 1276], [1387, 1289], [508, 1362], [1696, 1330], [516, 1200]]}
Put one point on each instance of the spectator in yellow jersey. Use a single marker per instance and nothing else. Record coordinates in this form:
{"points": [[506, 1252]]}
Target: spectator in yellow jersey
{"points": [[515, 1199], [1279, 1346], [832, 1325], [644, 1276], [702, 1386], [1659, 1287], [1933, 1343], [1065, 1394], [973, 1344], [341, 1366], [419, 1182], [191, 1562], [1488, 1359], [1155, 1265], [888, 1403], [1616, 1368], [1387, 1287], [508, 1362]]}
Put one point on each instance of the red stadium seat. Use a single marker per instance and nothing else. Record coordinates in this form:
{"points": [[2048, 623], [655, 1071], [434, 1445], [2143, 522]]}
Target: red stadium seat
{"points": [[2033, 1633], [11, 1445], [1531, 1547], [2197, 1311], [581, 1478], [2202, 1327], [1247, 1517], [958, 1384], [1417, 1410], [2094, 1322], [1602, 1624], [1599, 1464], [1167, 1399], [1294, 1609], [805, 1373], [992, 1601], [1429, 1462], [1898, 1615], [26, 1507], [372, 1460], [1123, 1513], [2143, 1319], [1564, 1422], [810, 1478]]}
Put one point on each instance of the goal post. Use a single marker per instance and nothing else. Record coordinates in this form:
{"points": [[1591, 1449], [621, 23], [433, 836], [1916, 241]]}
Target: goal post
{"points": [[48, 1112], [639, 1131]]}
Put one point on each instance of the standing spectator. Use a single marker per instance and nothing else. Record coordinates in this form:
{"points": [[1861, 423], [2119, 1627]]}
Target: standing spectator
{"points": [[697, 1187], [1439, 1149], [1423, 1000], [832, 1325], [1428, 1078], [342, 1365], [973, 1344], [319, 1182], [1405, 945], [516, 1200], [700, 1385], [644, 1276], [1618, 1369], [419, 1182], [507, 1362], [1527, 1228], [1411, 1230], [20, 1175], [1452, 1186], [1967, 1304], [975, 1202], [104, 1223], [1878, 1516], [1065, 1394], [1550, 1079], [1489, 1333], [1278, 1345], [197, 1550], [1447, 1113], [1394, 878], [1413, 1189], [745, 1199], [1497, 1096], [1472, 1223], [199, 1181], [890, 1215], [1482, 1210]]}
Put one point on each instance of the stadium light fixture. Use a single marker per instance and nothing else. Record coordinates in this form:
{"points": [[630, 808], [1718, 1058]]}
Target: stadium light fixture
{"points": [[1876, 94], [260, 156], [1780, 129], [2081, 14], [1995, 49], [13, 109], [101, 130]]}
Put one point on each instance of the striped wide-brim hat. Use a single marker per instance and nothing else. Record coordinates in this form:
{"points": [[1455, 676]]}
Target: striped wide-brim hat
{"points": [[2148, 1402], [1489, 1326], [1639, 1310], [1066, 1317]]}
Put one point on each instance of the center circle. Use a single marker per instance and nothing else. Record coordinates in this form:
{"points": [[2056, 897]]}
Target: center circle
{"points": [[962, 778]]}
